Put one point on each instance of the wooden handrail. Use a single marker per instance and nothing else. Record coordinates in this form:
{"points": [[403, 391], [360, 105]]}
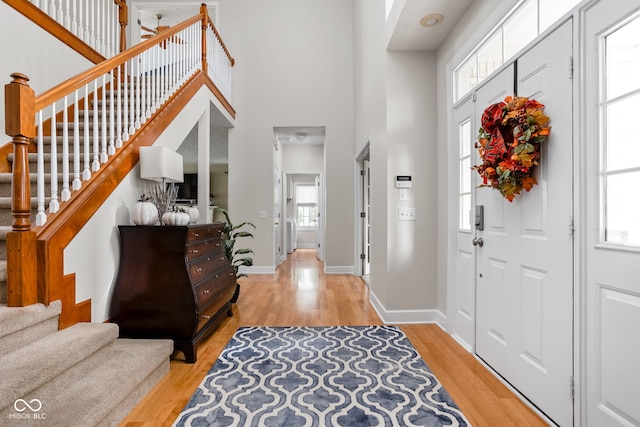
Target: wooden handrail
{"points": [[224, 47], [74, 83], [49, 24]]}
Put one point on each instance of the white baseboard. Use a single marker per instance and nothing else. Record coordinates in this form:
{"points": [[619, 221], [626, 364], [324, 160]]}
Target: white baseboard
{"points": [[407, 316], [306, 245], [337, 269], [257, 269]]}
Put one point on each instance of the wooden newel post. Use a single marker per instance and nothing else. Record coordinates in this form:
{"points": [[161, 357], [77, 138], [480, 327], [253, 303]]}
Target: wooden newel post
{"points": [[19, 100], [123, 19], [205, 21]]}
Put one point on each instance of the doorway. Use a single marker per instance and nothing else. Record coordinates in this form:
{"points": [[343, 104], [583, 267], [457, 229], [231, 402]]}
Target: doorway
{"points": [[513, 286], [363, 206]]}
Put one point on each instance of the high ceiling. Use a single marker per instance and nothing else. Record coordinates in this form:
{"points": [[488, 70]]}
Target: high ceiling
{"points": [[407, 34]]}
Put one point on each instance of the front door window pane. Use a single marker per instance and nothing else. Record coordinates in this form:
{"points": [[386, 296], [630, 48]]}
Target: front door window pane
{"points": [[621, 166], [623, 60], [622, 145], [623, 209], [521, 29]]}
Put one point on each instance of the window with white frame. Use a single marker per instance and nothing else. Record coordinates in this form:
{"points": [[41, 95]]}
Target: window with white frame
{"points": [[619, 166], [464, 193], [523, 23], [306, 205]]}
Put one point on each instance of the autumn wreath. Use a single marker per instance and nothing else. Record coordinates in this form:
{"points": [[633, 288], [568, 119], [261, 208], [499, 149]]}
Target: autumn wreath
{"points": [[509, 144]]}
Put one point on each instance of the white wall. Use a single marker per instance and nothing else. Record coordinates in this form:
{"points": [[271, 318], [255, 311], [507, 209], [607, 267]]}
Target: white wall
{"points": [[396, 111], [371, 125], [22, 51], [294, 68], [412, 150]]}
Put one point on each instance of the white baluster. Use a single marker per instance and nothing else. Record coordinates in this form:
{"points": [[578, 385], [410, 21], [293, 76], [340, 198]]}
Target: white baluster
{"points": [[92, 26], [67, 16], [148, 56], [41, 216], [54, 205], [75, 29], [125, 103], [132, 99], [136, 83], [86, 22], [143, 87], [86, 173], [112, 147], [60, 13], [66, 193], [76, 143], [119, 106], [156, 79], [95, 165], [103, 128]]}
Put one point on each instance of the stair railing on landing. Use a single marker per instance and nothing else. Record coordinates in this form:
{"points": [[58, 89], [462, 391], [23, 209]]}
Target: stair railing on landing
{"points": [[101, 24], [91, 116]]}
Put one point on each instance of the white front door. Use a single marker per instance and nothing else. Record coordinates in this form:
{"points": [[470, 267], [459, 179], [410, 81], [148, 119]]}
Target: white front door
{"points": [[612, 244], [525, 266]]}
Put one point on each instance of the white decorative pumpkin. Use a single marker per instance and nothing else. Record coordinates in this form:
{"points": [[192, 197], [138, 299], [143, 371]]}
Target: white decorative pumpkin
{"points": [[194, 214], [176, 218], [144, 213]]}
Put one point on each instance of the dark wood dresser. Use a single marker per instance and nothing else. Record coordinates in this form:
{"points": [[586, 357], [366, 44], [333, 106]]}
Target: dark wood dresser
{"points": [[173, 282]]}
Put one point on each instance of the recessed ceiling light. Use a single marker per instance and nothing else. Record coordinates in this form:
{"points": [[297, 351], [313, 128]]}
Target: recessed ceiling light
{"points": [[431, 20]]}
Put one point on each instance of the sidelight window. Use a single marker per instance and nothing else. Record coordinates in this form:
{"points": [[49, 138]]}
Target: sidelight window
{"points": [[620, 165]]}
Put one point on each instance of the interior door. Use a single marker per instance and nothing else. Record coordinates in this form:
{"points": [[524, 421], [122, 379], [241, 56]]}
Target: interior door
{"points": [[525, 266], [320, 219], [277, 217], [465, 129], [365, 215], [612, 247]]}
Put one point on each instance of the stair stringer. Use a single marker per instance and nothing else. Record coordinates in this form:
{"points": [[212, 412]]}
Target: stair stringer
{"points": [[60, 229]]}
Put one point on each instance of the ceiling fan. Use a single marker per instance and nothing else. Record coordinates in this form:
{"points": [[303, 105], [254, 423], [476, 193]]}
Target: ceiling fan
{"points": [[155, 31]]}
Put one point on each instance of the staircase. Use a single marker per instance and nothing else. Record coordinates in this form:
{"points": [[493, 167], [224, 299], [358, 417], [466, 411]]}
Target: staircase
{"points": [[80, 376]]}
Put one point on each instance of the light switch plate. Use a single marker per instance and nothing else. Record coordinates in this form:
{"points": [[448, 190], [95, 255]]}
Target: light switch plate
{"points": [[406, 214], [262, 214]]}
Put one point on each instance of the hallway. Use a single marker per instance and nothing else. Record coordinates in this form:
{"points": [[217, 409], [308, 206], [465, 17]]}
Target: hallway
{"points": [[301, 294]]}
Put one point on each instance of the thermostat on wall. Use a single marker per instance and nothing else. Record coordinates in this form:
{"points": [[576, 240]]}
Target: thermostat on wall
{"points": [[403, 181]]}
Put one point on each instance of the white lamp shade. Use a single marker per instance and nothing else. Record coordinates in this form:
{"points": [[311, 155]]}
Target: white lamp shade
{"points": [[160, 164]]}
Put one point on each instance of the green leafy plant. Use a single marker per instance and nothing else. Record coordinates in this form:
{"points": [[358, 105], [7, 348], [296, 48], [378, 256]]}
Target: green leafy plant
{"points": [[231, 232]]}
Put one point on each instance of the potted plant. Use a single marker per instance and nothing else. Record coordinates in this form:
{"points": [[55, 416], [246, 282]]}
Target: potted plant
{"points": [[236, 257]]}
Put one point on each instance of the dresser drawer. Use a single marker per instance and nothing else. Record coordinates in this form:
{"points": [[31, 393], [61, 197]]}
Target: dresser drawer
{"points": [[207, 247], [204, 267], [214, 285], [214, 306], [203, 233]]}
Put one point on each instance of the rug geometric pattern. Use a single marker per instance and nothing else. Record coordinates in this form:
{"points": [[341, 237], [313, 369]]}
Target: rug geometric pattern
{"points": [[320, 376]]}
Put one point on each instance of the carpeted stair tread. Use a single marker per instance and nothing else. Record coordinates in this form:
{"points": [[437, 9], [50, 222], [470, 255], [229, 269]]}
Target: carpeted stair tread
{"points": [[15, 319], [3, 270], [89, 392], [31, 366]]}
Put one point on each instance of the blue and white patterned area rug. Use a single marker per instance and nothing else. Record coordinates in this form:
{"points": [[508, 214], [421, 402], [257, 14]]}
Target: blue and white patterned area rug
{"points": [[320, 376]]}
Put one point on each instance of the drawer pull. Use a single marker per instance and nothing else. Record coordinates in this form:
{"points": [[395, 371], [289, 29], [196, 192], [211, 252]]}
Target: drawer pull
{"points": [[198, 270], [194, 251], [205, 316], [231, 274], [218, 244], [206, 291], [196, 234], [222, 258]]}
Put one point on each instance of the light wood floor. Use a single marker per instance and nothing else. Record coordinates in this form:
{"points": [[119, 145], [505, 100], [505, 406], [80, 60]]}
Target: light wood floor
{"points": [[300, 294]]}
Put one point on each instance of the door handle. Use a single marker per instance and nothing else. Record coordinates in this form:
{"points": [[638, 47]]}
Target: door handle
{"points": [[478, 241]]}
